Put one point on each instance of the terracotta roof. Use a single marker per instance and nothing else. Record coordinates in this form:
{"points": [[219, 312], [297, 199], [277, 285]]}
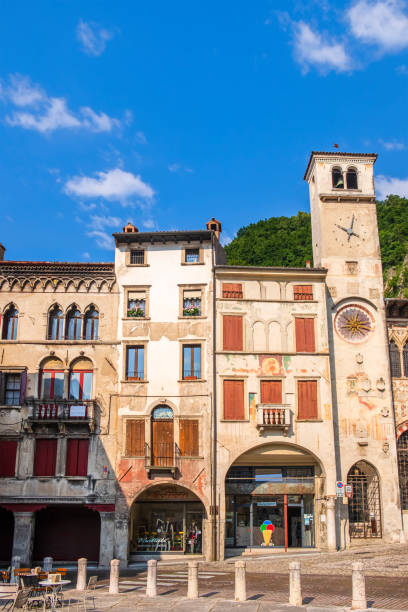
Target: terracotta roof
{"points": [[336, 154], [176, 236], [72, 264]]}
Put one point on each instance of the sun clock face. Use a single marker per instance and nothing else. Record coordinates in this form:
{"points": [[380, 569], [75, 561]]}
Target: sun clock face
{"points": [[354, 323], [349, 232]]}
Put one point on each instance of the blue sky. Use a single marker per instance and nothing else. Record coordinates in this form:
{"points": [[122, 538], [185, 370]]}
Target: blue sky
{"points": [[167, 114]]}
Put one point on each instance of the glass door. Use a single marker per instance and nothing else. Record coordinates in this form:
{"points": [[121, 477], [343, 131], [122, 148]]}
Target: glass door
{"points": [[269, 508]]}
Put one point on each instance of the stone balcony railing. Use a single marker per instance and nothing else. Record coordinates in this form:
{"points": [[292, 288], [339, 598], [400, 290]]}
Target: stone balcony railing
{"points": [[62, 411], [273, 417]]}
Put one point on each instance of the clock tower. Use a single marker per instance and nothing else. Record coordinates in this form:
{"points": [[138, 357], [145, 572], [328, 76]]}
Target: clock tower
{"points": [[346, 243]]}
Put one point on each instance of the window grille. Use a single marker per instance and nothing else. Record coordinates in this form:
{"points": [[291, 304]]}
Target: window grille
{"points": [[395, 358], [137, 256], [364, 507], [192, 255], [402, 454]]}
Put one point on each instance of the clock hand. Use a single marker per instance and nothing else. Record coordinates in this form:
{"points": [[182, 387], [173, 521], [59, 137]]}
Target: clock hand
{"points": [[341, 227], [352, 222]]}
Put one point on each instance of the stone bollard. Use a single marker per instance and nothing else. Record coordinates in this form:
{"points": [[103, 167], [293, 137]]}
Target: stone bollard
{"points": [[15, 564], [151, 586], [47, 564], [192, 592], [240, 582], [359, 601], [114, 577], [295, 588], [81, 577]]}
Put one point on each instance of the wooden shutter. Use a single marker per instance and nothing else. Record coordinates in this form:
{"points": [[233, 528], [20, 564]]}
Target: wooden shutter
{"points": [[77, 457], [307, 399], [234, 408], [304, 331], [232, 290], [189, 437], [303, 292], [135, 438], [232, 333], [8, 453], [45, 457], [23, 386], [271, 391]]}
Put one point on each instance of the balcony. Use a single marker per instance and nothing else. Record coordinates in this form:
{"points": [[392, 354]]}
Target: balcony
{"points": [[162, 457], [63, 411], [273, 417]]}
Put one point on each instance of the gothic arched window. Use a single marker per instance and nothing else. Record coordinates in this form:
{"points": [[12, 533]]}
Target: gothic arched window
{"points": [[395, 358], [402, 454], [74, 324], [91, 324], [10, 323], [351, 178], [337, 178], [405, 358], [55, 323]]}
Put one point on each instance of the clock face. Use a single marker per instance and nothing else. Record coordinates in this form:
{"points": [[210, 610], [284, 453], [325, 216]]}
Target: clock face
{"points": [[348, 231], [354, 323]]}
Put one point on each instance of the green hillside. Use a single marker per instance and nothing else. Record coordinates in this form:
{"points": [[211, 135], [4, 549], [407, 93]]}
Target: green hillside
{"points": [[287, 241]]}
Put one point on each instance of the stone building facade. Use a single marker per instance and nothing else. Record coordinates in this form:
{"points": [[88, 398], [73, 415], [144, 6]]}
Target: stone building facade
{"points": [[170, 404]]}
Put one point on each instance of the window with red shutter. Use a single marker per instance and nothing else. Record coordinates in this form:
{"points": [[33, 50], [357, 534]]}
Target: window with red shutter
{"points": [[307, 399], [271, 391], [303, 292], [8, 454], [189, 437], [77, 457], [232, 291], [305, 337], [45, 457], [232, 333], [135, 438], [234, 407]]}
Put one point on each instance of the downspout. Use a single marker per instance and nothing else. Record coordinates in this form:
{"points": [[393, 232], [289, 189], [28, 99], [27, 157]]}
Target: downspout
{"points": [[214, 406]]}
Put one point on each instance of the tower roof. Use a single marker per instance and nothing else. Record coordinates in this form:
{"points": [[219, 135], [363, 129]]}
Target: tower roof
{"points": [[337, 154]]}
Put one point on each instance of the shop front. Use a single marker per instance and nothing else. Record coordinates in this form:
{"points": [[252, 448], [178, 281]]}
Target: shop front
{"points": [[279, 500], [167, 519]]}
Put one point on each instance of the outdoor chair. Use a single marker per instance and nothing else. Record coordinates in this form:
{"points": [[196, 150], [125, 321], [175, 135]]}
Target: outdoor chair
{"points": [[83, 596], [8, 593], [38, 592], [21, 600]]}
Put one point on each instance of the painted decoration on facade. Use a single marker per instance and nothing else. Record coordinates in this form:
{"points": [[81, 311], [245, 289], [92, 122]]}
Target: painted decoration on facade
{"points": [[353, 323], [252, 407], [271, 365], [267, 530]]}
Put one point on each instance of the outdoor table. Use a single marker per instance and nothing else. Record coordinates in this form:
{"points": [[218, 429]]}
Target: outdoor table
{"points": [[55, 587]]}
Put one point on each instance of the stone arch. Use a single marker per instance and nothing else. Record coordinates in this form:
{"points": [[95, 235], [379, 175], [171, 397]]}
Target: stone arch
{"points": [[402, 457], [259, 336], [274, 337], [272, 290], [364, 507]]}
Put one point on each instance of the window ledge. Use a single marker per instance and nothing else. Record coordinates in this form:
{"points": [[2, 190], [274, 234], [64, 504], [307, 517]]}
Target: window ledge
{"points": [[192, 263], [234, 420], [309, 420], [134, 456], [186, 318], [129, 265], [193, 380], [134, 382], [76, 477], [135, 318], [10, 407]]}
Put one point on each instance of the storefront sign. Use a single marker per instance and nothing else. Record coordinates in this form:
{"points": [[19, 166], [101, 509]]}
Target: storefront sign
{"points": [[266, 503]]}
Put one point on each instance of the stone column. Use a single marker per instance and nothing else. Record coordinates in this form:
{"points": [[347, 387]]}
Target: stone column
{"points": [[240, 581], [24, 524], [122, 539], [359, 601], [61, 456], [114, 577], [192, 592], [107, 538], [26, 456], [15, 564], [151, 586], [47, 564], [295, 588], [81, 576], [331, 522]]}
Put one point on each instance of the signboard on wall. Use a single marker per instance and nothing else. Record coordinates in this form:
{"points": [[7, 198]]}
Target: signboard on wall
{"points": [[349, 491], [340, 488]]}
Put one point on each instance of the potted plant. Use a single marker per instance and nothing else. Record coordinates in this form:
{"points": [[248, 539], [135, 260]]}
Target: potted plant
{"points": [[136, 312], [191, 312]]}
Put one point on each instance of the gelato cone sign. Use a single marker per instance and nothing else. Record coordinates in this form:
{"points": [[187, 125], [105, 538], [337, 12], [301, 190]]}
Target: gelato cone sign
{"points": [[267, 530]]}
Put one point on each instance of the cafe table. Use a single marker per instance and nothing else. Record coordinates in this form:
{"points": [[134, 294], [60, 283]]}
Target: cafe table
{"points": [[55, 589]]}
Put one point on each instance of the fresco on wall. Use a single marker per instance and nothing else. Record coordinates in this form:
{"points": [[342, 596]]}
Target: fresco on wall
{"points": [[271, 365]]}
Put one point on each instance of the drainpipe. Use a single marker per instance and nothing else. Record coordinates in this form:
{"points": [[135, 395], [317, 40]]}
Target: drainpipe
{"points": [[214, 407]]}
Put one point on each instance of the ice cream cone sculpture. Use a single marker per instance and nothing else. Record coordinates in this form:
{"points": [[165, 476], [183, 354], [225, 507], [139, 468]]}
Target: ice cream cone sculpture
{"points": [[267, 530]]}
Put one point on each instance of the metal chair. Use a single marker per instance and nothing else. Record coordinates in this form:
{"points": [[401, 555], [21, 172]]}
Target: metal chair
{"points": [[88, 593], [21, 601], [8, 593]]}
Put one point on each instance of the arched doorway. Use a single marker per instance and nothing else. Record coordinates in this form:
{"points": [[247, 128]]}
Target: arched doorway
{"points": [[6, 535], [166, 518], [67, 533], [364, 507], [402, 453], [162, 436], [276, 484]]}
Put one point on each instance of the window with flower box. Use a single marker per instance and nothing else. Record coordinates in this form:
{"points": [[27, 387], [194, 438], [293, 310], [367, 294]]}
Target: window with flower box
{"points": [[192, 303], [136, 304]]}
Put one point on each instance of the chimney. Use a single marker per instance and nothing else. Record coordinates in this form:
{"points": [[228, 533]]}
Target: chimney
{"points": [[130, 229], [2, 251], [215, 226], [307, 263]]}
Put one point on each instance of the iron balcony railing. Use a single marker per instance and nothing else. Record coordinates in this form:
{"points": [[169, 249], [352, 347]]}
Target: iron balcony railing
{"points": [[273, 416], [163, 456], [62, 410]]}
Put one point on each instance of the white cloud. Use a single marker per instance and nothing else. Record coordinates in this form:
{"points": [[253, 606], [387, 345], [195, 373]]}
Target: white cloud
{"points": [[149, 224], [102, 239], [96, 228], [174, 167], [86, 255], [381, 23], [386, 185], [99, 222], [47, 114], [87, 207], [311, 49], [141, 138], [392, 145], [179, 168], [93, 37], [114, 184]]}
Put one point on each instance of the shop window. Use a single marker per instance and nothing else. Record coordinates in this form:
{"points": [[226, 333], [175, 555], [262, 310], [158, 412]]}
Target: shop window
{"points": [[135, 438], [305, 336], [74, 324], [91, 324], [52, 384], [395, 359], [303, 292], [77, 457], [337, 178], [10, 323], [351, 178], [55, 323], [136, 303], [191, 361], [307, 400], [405, 359], [8, 454], [189, 437], [135, 362], [271, 391], [80, 385], [137, 257], [234, 406], [192, 256], [191, 302], [232, 291], [232, 333], [45, 456]]}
